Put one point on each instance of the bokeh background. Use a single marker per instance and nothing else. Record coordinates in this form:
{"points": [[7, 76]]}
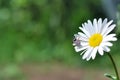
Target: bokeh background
{"points": [[36, 39]]}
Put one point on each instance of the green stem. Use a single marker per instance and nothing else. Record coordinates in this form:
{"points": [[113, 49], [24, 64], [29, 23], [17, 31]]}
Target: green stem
{"points": [[115, 68]]}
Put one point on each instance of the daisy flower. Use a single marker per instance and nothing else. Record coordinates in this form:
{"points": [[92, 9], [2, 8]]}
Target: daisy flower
{"points": [[94, 38]]}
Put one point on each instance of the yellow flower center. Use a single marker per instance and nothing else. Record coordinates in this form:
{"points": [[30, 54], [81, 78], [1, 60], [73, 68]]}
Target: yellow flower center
{"points": [[95, 40]]}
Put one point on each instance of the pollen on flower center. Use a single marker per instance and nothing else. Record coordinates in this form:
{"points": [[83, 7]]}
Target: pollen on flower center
{"points": [[95, 40]]}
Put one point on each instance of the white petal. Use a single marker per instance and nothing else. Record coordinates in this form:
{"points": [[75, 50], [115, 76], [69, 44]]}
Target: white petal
{"points": [[86, 32], [91, 28], [87, 53], [93, 54], [88, 27], [110, 37], [88, 58], [85, 26], [107, 43], [113, 39], [83, 39], [106, 27], [95, 25], [99, 25], [109, 29], [77, 49], [107, 49], [84, 43], [104, 22], [100, 50], [82, 34], [83, 52]]}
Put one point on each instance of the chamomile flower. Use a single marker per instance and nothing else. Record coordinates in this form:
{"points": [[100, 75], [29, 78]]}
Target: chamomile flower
{"points": [[94, 38]]}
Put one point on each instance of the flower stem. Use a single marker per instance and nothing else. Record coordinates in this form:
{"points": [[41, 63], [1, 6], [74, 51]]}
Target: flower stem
{"points": [[114, 65]]}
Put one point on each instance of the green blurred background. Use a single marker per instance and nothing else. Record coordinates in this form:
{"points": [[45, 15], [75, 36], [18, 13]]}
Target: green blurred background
{"points": [[40, 32]]}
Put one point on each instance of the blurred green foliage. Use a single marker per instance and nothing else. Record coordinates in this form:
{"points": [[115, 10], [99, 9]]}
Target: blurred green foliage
{"points": [[11, 72], [41, 31]]}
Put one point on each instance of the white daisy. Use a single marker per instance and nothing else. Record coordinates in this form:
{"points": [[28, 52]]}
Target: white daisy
{"points": [[94, 38]]}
